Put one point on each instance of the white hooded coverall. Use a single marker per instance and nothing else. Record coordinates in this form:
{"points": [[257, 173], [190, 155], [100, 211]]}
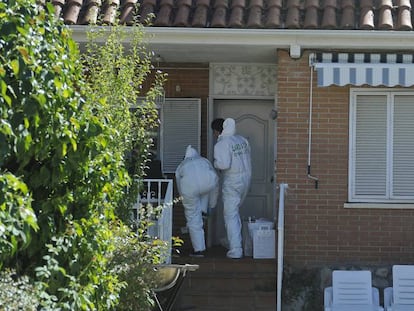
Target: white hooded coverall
{"points": [[232, 156], [197, 183]]}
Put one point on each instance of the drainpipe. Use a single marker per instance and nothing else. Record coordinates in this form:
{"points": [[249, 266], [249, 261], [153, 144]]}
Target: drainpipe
{"points": [[280, 241], [310, 122]]}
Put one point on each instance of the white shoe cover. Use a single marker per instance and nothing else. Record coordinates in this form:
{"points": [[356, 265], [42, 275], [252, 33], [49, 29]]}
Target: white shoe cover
{"points": [[235, 253]]}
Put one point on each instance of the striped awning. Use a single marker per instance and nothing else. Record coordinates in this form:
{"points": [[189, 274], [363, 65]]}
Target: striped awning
{"points": [[363, 69]]}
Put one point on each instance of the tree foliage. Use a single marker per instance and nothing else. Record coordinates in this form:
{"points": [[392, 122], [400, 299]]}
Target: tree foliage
{"points": [[64, 135]]}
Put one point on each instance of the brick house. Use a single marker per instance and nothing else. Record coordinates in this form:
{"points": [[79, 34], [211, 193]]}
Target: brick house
{"points": [[324, 92], [228, 57]]}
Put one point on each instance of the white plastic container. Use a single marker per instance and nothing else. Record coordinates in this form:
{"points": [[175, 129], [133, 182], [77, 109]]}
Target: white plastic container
{"points": [[264, 244], [249, 227]]}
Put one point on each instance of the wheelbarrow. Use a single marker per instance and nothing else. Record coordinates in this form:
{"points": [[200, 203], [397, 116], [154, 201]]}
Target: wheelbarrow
{"points": [[170, 279]]}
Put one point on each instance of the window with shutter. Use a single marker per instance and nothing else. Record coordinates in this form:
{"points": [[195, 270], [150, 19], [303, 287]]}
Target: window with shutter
{"points": [[403, 147], [381, 161], [180, 127]]}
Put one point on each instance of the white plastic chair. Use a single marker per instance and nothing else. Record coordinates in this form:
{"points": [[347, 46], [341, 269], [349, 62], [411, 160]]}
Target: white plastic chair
{"points": [[351, 291], [400, 297]]}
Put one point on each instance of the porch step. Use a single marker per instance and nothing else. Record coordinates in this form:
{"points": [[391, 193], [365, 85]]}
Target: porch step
{"points": [[220, 283]]}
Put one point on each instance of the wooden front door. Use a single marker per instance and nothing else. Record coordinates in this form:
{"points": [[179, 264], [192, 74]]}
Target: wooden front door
{"points": [[254, 121]]}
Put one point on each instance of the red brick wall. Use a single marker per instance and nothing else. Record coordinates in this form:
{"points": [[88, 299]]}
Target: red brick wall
{"points": [[318, 229]]}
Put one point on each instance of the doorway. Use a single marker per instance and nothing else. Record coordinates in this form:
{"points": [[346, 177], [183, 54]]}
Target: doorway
{"points": [[253, 121]]}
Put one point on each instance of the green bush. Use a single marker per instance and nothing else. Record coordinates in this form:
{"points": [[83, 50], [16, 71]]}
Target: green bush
{"points": [[11, 287], [17, 218], [64, 135], [132, 115]]}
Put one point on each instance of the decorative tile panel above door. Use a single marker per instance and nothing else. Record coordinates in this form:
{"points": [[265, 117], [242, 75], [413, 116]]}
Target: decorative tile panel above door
{"points": [[243, 79]]}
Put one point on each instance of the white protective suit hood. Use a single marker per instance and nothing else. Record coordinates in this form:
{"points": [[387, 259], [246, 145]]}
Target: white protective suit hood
{"points": [[190, 152], [229, 127]]}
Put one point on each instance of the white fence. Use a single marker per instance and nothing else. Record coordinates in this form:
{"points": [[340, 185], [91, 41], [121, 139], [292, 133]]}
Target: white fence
{"points": [[158, 193]]}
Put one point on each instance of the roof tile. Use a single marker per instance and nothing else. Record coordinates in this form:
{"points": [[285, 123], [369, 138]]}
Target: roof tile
{"points": [[367, 15], [183, 13], [147, 8], [58, 4], [293, 14], [348, 14], [219, 14], [404, 16], [274, 14], [164, 13], [89, 15], [311, 15], [201, 13], [236, 15], [127, 12], [71, 11], [385, 16], [329, 15], [110, 11], [254, 14]]}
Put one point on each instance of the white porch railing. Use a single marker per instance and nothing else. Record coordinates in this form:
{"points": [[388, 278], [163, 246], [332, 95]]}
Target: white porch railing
{"points": [[280, 240], [158, 193]]}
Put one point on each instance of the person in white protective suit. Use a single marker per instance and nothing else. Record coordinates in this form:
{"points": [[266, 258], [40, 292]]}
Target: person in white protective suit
{"points": [[197, 183], [232, 156]]}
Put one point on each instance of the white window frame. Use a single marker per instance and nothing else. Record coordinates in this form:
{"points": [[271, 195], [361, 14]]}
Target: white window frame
{"points": [[380, 201]]}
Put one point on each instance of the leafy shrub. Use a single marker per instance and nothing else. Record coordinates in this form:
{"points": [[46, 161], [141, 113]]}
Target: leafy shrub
{"points": [[133, 261], [17, 218], [115, 93], [11, 287], [64, 134]]}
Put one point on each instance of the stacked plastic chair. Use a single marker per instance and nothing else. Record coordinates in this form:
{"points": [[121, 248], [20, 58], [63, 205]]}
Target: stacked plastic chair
{"points": [[400, 297], [351, 291]]}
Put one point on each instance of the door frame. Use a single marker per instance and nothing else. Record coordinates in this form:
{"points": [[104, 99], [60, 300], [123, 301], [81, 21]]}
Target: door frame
{"points": [[210, 144]]}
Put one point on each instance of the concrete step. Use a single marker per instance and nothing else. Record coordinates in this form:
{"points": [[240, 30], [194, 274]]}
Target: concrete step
{"points": [[220, 283]]}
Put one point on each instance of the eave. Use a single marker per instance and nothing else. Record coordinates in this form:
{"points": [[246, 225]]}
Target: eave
{"points": [[205, 45]]}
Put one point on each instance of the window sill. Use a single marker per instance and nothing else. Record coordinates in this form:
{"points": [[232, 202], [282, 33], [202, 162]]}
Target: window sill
{"points": [[380, 205]]}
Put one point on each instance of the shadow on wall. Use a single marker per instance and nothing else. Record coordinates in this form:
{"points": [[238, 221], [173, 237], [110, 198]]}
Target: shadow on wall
{"points": [[301, 289]]}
